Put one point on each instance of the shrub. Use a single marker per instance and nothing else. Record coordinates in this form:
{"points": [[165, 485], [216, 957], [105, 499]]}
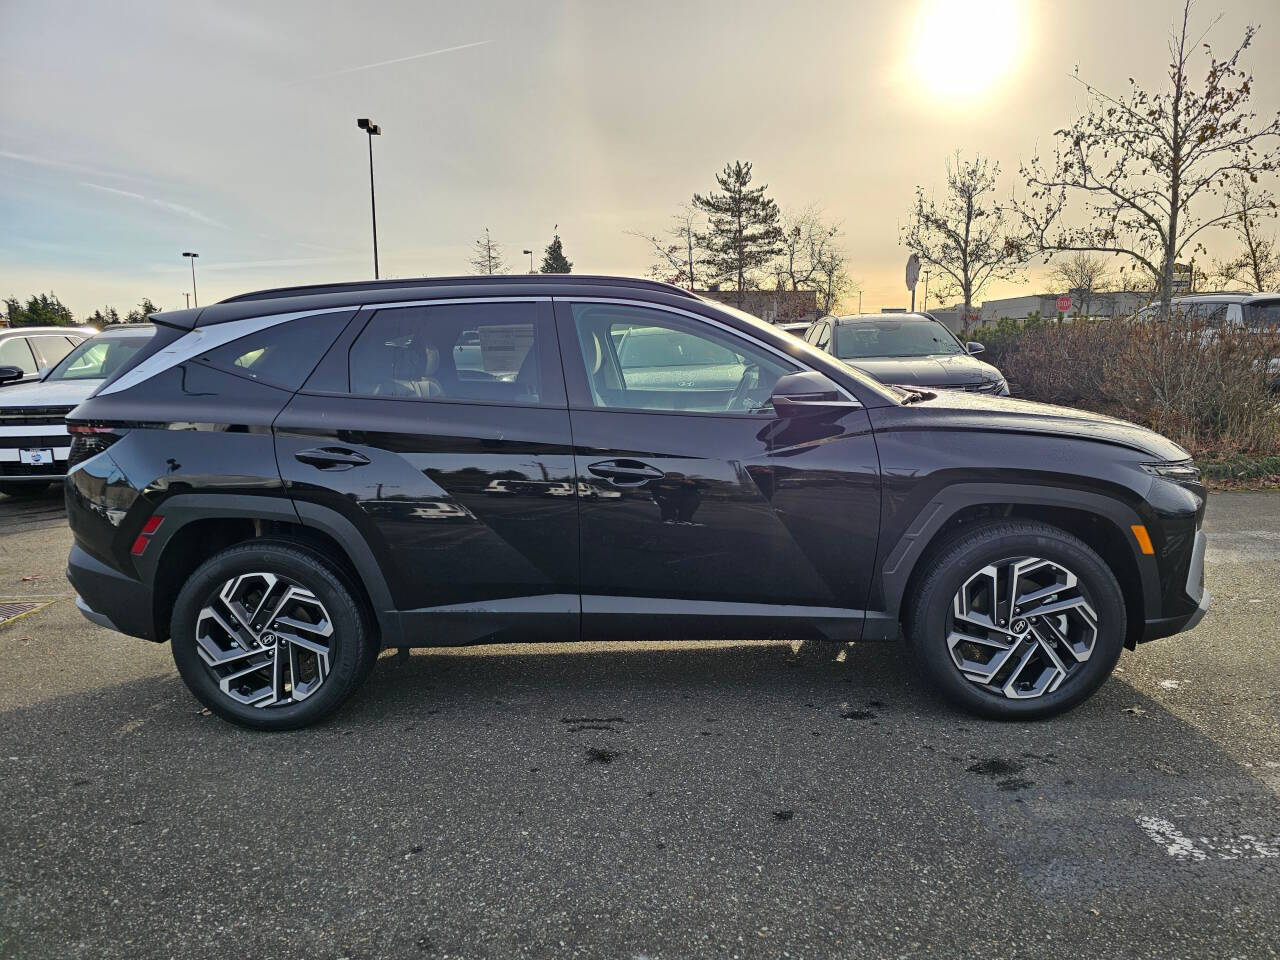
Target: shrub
{"points": [[1207, 389]]}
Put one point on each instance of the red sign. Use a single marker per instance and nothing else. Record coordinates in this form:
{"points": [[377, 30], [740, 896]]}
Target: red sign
{"points": [[1064, 304]]}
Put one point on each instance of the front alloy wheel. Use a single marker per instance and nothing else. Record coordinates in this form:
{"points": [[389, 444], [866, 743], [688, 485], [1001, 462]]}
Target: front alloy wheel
{"points": [[1015, 618], [1021, 627]]}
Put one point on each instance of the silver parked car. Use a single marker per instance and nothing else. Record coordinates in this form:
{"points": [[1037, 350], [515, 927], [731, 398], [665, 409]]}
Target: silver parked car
{"points": [[34, 442], [25, 352]]}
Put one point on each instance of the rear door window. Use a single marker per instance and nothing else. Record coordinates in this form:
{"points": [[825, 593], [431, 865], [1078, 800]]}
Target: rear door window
{"points": [[479, 352], [49, 350]]}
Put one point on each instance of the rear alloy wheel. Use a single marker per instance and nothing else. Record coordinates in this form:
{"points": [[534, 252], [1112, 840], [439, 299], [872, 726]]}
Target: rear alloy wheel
{"points": [[268, 635], [1017, 619]]}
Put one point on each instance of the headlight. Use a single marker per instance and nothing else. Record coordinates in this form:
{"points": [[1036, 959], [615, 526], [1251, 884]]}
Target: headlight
{"points": [[1179, 471]]}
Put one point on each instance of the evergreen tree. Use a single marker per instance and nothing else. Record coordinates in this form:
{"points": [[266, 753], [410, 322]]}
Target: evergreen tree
{"points": [[141, 312], [554, 260], [103, 318], [743, 232], [43, 310]]}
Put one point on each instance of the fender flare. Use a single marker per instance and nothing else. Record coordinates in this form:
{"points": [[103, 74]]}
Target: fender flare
{"points": [[181, 509], [906, 553]]}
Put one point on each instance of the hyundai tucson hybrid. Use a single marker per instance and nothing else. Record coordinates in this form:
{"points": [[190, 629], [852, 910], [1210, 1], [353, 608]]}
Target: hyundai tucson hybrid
{"points": [[286, 482], [33, 437], [910, 349]]}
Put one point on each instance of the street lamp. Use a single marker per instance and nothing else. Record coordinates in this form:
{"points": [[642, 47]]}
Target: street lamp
{"points": [[188, 296], [373, 130], [192, 257], [530, 253]]}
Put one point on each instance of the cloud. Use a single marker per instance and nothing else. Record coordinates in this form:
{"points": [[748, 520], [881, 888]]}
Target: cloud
{"points": [[387, 63], [51, 163], [171, 207]]}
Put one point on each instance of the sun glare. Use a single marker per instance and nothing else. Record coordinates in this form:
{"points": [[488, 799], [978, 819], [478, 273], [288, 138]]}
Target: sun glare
{"points": [[961, 48]]}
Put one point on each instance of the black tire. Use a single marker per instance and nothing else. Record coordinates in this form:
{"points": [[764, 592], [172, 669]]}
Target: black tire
{"points": [[20, 490], [929, 608], [353, 645]]}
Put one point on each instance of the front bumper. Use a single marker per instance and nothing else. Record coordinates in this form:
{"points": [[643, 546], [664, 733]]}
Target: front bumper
{"points": [[1167, 626]]}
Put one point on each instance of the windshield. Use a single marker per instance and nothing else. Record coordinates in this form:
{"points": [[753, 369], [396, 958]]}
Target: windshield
{"points": [[1263, 317], [98, 357], [894, 338]]}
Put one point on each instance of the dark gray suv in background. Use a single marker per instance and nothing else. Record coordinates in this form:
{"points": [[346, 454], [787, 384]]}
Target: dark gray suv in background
{"points": [[912, 349]]}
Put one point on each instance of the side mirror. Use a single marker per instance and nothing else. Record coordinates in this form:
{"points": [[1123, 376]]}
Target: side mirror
{"points": [[807, 393], [973, 346], [9, 374]]}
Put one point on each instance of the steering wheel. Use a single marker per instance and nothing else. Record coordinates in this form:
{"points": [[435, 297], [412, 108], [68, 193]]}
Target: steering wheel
{"points": [[750, 380]]}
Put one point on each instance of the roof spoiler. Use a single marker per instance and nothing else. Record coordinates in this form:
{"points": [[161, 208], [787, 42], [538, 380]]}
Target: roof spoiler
{"points": [[178, 319]]}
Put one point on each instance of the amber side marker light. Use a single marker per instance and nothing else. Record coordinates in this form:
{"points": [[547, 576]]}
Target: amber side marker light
{"points": [[1144, 539]]}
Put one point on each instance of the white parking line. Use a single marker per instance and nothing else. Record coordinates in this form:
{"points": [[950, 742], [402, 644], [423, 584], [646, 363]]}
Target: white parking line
{"points": [[1181, 847]]}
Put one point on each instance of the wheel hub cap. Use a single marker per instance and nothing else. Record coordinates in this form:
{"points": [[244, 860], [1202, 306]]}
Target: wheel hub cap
{"points": [[265, 639], [1021, 627]]}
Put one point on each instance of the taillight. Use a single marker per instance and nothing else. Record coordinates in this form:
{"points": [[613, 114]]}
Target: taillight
{"points": [[74, 428], [143, 540], [88, 441]]}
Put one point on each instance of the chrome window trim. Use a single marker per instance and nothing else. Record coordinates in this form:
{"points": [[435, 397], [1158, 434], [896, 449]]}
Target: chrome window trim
{"points": [[726, 328], [453, 300]]}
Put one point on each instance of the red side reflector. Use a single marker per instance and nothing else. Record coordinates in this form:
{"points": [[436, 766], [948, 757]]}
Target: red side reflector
{"points": [[144, 538]]}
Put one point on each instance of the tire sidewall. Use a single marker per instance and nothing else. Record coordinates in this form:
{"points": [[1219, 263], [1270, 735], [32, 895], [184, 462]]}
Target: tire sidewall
{"points": [[347, 647], [1098, 584]]}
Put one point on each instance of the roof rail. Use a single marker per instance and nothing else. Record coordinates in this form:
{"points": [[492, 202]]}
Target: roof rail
{"points": [[482, 279]]}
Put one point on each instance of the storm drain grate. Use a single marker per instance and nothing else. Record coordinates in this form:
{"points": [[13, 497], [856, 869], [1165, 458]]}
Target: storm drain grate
{"points": [[11, 610]]}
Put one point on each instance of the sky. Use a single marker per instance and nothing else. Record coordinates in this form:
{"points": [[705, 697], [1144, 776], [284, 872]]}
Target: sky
{"points": [[133, 131]]}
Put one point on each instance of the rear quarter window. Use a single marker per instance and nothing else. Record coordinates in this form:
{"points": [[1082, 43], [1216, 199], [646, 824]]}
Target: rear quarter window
{"points": [[282, 355]]}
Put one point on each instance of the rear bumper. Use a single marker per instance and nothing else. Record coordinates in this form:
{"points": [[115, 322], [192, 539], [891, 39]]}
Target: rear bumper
{"points": [[1167, 626], [109, 598]]}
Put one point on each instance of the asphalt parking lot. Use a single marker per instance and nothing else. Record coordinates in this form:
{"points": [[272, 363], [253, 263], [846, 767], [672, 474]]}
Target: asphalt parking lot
{"points": [[645, 800]]}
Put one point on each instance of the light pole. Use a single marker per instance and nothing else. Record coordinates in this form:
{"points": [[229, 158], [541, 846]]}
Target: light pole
{"points": [[530, 253], [192, 257], [188, 296], [926, 291], [373, 130]]}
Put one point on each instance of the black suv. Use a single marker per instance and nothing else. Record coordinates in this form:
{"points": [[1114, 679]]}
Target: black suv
{"points": [[285, 482]]}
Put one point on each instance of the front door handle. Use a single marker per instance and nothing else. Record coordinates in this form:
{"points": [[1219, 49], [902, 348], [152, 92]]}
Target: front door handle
{"points": [[625, 473], [331, 458]]}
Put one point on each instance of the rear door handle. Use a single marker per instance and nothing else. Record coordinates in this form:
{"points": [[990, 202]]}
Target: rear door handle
{"points": [[331, 458], [625, 473]]}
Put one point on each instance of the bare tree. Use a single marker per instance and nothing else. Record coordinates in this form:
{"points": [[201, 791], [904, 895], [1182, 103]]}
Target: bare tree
{"points": [[1137, 167], [1081, 275], [1257, 266], [812, 258], [678, 253], [966, 237], [832, 280], [486, 256]]}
